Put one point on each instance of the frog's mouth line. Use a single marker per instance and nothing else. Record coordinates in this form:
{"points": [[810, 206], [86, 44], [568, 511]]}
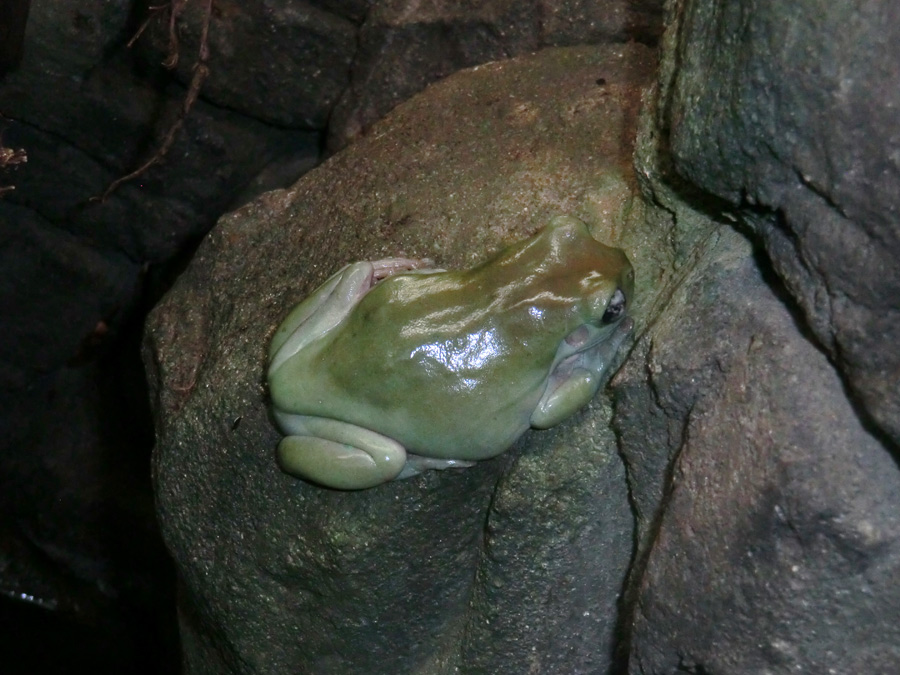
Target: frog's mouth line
{"points": [[623, 326], [614, 338]]}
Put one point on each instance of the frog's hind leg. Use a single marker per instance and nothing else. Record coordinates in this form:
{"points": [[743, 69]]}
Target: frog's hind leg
{"points": [[336, 454], [320, 311]]}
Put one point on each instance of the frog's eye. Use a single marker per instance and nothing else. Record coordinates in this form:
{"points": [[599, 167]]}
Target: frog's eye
{"points": [[615, 309]]}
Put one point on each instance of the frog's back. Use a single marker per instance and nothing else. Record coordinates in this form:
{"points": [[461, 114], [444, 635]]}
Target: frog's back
{"points": [[439, 384]]}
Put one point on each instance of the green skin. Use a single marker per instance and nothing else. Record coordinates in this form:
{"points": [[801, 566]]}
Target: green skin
{"points": [[450, 367]]}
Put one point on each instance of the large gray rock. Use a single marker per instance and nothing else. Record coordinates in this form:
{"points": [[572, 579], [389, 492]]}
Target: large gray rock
{"points": [[513, 565], [766, 498], [790, 112], [775, 536]]}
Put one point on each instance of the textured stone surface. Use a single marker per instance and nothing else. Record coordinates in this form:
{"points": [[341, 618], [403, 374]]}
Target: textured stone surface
{"points": [[283, 62], [405, 45], [513, 565], [543, 593], [791, 112], [777, 548], [766, 498]]}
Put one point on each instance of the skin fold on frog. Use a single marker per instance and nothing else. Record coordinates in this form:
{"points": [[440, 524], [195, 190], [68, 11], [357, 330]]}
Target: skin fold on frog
{"points": [[390, 368]]}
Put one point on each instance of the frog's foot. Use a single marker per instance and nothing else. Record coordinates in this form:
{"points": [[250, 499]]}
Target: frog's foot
{"points": [[336, 454], [565, 398], [416, 464], [388, 267], [576, 379]]}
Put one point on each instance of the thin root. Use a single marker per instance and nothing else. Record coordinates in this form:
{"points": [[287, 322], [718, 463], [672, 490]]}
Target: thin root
{"points": [[200, 73]]}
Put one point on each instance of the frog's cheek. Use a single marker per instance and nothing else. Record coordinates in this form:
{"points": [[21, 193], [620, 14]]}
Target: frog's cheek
{"points": [[336, 454]]}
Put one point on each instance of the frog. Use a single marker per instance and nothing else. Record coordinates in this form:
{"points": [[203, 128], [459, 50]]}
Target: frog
{"points": [[393, 367]]}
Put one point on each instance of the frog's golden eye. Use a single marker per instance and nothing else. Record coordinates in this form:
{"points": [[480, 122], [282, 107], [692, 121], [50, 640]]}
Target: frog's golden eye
{"points": [[615, 310]]}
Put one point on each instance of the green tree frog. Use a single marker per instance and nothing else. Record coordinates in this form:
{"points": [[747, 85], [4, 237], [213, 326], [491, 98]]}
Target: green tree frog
{"points": [[390, 368]]}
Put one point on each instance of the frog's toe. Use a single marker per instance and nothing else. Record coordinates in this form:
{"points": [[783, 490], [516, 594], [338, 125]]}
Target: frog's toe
{"points": [[416, 464], [387, 267], [337, 465]]}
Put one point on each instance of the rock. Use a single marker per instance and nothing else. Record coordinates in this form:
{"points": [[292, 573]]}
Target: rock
{"points": [[755, 422], [97, 136], [776, 545], [403, 45], [543, 601], [792, 119], [511, 565], [43, 328], [283, 62], [83, 119]]}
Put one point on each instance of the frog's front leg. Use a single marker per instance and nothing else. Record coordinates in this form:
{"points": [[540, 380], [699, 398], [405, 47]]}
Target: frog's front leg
{"points": [[577, 376], [337, 454]]}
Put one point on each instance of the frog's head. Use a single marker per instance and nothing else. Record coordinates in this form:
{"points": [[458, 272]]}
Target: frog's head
{"points": [[586, 288], [578, 296], [601, 282], [575, 292], [571, 274]]}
